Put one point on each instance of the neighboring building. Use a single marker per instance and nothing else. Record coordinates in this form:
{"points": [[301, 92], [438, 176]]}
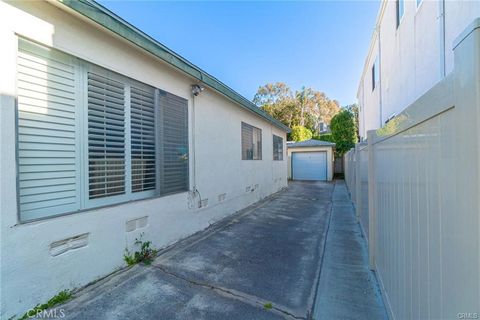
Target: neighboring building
{"points": [[106, 134], [410, 51], [310, 160], [323, 128]]}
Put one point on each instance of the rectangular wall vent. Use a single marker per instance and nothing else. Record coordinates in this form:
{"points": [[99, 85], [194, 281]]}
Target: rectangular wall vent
{"points": [[68, 244], [203, 203], [221, 197], [137, 223]]}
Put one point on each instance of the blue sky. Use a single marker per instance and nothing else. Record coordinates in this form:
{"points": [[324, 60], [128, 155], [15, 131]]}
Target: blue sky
{"points": [[248, 44]]}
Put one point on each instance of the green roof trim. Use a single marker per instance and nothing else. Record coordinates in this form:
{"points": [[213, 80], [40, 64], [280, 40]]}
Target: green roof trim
{"points": [[117, 25]]}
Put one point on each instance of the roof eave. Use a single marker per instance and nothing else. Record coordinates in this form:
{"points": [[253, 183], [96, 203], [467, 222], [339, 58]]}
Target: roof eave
{"points": [[375, 34], [107, 19], [312, 146]]}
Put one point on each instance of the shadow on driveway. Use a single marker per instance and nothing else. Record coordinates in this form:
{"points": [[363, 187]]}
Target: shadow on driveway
{"points": [[261, 263]]}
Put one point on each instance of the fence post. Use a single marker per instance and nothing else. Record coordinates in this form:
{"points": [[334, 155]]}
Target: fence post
{"points": [[358, 183], [464, 209], [372, 200]]}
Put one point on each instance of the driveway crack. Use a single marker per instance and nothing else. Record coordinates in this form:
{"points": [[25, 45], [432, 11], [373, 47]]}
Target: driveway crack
{"points": [[237, 295]]}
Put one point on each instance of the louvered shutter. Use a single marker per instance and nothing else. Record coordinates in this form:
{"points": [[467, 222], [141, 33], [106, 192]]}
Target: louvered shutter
{"points": [[173, 143], [142, 108], [247, 141], [251, 142], [47, 170], [257, 144], [106, 136]]}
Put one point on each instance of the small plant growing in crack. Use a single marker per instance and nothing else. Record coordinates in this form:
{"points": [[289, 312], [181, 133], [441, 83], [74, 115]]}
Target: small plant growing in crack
{"points": [[268, 306], [146, 252], [59, 298]]}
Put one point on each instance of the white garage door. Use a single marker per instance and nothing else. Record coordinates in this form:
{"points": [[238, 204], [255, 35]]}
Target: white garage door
{"points": [[309, 166]]}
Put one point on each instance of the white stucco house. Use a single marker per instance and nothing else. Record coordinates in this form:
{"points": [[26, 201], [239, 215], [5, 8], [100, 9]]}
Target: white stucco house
{"points": [[310, 160], [411, 50], [105, 135]]}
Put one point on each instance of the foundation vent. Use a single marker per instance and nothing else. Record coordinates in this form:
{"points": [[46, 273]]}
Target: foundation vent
{"points": [[137, 223], [221, 197], [68, 244], [203, 203]]}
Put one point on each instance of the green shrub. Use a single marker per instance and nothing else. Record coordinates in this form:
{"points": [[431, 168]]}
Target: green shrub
{"points": [[300, 133], [344, 131], [61, 297], [324, 137], [146, 254]]}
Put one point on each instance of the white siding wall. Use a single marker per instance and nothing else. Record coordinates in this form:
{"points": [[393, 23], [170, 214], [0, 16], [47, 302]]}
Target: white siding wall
{"points": [[423, 183], [29, 273], [369, 98], [412, 56]]}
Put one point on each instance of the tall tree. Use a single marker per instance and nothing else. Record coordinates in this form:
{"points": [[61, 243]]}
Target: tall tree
{"points": [[353, 108], [344, 131], [305, 107]]}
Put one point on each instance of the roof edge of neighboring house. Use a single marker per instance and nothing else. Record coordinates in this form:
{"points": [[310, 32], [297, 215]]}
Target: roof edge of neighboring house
{"points": [[378, 20], [109, 20], [312, 143]]}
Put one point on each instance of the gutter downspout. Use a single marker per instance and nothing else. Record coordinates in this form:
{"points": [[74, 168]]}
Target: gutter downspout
{"points": [[194, 180], [443, 66], [377, 30], [193, 192]]}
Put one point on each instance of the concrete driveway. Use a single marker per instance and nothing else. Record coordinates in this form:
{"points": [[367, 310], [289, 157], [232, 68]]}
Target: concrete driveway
{"points": [[262, 263]]}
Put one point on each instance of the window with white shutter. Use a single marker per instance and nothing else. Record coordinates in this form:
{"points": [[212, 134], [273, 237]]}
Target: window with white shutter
{"points": [[47, 169], [142, 108], [106, 137], [173, 143], [89, 137]]}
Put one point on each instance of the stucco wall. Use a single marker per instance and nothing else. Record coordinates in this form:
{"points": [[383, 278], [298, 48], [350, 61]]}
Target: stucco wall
{"points": [[29, 274], [328, 150], [413, 57]]}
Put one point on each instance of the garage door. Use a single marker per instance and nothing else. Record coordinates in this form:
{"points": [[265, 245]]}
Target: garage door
{"points": [[309, 166]]}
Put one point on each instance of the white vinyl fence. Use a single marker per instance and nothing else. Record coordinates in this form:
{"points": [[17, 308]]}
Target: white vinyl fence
{"points": [[416, 189]]}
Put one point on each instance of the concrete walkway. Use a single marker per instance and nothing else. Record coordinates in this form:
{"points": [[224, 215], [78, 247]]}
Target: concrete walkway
{"points": [[262, 263], [347, 288]]}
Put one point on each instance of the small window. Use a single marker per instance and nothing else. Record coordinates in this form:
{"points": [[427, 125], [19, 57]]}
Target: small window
{"points": [[419, 2], [375, 74], [400, 11], [251, 142], [277, 148]]}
